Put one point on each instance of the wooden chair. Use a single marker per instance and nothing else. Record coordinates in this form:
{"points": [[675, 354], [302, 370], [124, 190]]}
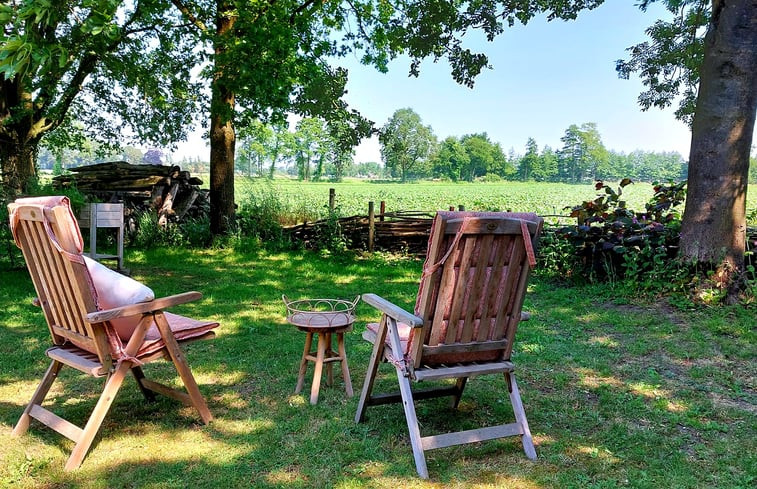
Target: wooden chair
{"points": [[92, 330], [466, 314]]}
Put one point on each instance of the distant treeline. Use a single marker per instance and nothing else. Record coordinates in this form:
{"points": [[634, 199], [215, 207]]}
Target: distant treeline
{"points": [[410, 150]]}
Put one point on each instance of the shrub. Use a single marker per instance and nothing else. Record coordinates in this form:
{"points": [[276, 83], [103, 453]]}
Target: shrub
{"points": [[329, 237], [150, 234], [260, 215], [490, 178], [612, 241]]}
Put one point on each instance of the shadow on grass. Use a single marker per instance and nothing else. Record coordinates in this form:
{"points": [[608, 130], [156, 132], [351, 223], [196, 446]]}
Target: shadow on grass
{"points": [[611, 393]]}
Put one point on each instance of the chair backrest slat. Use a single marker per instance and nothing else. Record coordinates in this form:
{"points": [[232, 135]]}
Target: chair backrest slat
{"points": [[61, 279], [458, 297], [59, 290], [472, 288]]}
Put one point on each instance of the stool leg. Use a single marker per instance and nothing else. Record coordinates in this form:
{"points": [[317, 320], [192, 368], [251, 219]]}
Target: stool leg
{"points": [[318, 368], [329, 369], [304, 363], [345, 366]]}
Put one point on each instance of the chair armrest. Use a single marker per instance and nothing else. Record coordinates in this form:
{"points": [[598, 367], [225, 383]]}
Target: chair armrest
{"points": [[393, 311], [142, 307], [525, 316]]}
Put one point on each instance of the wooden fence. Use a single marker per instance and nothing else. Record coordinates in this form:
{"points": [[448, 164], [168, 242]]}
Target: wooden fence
{"points": [[405, 231]]}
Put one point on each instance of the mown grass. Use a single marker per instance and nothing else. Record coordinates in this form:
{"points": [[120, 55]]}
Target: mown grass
{"points": [[617, 394]]}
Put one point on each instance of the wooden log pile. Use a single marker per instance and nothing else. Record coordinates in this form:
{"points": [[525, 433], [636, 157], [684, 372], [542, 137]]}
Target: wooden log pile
{"points": [[174, 194]]}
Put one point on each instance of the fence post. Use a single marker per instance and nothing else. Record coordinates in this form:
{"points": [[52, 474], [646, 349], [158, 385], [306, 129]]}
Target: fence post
{"points": [[382, 210], [332, 199], [371, 225]]}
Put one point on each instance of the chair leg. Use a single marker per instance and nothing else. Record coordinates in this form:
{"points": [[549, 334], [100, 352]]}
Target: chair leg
{"points": [[139, 376], [177, 356], [412, 425], [39, 395], [370, 374], [96, 418], [520, 416], [460, 387]]}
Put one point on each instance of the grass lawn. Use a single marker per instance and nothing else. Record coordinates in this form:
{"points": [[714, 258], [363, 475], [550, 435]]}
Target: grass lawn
{"points": [[617, 394]]}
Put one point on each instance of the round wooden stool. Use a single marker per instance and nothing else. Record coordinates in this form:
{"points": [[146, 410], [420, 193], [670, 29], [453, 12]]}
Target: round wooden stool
{"points": [[322, 317]]}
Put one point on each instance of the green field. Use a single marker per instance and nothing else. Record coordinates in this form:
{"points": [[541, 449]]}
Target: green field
{"points": [[309, 201]]}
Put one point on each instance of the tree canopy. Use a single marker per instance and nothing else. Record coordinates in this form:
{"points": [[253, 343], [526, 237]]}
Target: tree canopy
{"points": [[405, 142], [121, 67]]}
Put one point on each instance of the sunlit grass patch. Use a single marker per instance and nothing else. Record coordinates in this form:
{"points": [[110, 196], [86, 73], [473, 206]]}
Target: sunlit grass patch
{"points": [[616, 395]]}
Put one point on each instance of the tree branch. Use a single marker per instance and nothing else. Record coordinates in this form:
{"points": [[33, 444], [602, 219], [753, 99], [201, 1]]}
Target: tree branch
{"points": [[49, 117], [179, 4], [300, 9]]}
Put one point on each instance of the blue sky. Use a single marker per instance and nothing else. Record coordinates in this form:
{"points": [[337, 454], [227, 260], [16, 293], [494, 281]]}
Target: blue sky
{"points": [[545, 76]]}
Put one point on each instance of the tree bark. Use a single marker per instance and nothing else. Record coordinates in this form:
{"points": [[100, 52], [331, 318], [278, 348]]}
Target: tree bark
{"points": [[714, 222], [222, 135], [17, 161], [18, 141]]}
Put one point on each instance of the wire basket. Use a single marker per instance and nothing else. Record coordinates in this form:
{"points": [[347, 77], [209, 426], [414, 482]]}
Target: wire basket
{"points": [[320, 313]]}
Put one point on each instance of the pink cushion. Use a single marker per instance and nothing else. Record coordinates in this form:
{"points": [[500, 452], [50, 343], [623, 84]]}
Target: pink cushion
{"points": [[403, 329], [183, 328], [70, 236], [116, 290]]}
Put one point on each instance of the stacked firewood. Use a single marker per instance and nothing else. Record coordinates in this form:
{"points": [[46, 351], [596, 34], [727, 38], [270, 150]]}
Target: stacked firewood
{"points": [[174, 194]]}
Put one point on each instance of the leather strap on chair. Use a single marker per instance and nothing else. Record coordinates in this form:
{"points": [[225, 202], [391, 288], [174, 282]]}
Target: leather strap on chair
{"points": [[528, 243], [39, 202], [433, 268]]}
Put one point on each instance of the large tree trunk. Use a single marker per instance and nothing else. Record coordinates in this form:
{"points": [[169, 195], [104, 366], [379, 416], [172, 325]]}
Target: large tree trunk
{"points": [[222, 136], [18, 142], [17, 161], [714, 223]]}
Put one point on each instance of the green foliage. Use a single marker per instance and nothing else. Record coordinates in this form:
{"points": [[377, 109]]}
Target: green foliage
{"points": [[261, 214], [405, 142], [490, 178], [330, 238], [614, 242], [53, 50], [9, 257], [669, 62], [77, 198], [583, 156], [150, 234]]}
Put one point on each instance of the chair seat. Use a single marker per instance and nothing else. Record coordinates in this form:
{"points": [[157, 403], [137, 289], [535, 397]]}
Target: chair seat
{"points": [[402, 328], [183, 328]]}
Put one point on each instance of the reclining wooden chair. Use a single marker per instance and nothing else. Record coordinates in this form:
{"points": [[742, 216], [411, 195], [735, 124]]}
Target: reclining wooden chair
{"points": [[466, 314], [102, 323]]}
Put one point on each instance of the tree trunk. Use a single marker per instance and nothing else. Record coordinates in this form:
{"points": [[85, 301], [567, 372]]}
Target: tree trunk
{"points": [[222, 135], [18, 168], [714, 223]]}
